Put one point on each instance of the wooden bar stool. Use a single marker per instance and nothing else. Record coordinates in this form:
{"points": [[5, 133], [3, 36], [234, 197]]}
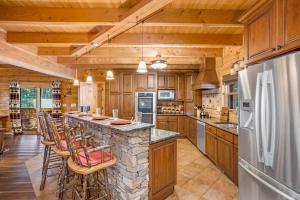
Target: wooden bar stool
{"points": [[2, 131], [90, 168], [50, 159]]}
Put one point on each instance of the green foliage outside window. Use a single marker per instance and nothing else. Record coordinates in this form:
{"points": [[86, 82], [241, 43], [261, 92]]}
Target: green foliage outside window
{"points": [[28, 98]]}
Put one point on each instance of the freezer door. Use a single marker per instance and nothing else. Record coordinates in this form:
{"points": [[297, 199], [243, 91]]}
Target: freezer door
{"points": [[269, 128]]}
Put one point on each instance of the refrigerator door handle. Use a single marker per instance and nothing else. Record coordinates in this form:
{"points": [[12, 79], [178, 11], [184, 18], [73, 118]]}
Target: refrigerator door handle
{"points": [[265, 183], [271, 130], [257, 115]]}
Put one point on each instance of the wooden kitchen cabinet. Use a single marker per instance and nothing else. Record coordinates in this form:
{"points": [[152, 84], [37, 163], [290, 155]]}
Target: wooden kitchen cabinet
{"points": [[168, 122], [166, 81], [211, 146], [188, 87], [225, 157], [271, 29], [162, 169], [114, 85], [182, 120], [180, 89], [235, 160], [193, 131], [145, 82]]}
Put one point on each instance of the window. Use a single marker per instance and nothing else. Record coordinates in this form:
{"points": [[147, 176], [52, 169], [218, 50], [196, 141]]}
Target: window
{"points": [[231, 94], [46, 98], [28, 98]]}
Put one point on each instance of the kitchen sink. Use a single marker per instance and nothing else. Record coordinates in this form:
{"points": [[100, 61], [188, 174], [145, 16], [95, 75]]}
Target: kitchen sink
{"points": [[226, 125]]}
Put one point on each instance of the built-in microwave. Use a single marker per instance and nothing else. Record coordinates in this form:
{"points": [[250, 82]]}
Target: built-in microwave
{"points": [[166, 94]]}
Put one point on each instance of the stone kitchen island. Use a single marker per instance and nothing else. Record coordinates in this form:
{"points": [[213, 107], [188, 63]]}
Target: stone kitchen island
{"points": [[139, 152]]}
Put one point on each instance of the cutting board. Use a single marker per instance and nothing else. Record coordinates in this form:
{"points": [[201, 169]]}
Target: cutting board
{"points": [[224, 115]]}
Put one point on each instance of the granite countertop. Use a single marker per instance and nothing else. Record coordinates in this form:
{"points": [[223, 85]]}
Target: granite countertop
{"points": [[158, 135], [105, 123], [212, 122]]}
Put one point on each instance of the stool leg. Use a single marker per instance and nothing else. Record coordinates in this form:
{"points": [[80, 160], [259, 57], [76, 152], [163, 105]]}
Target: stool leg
{"points": [[45, 166], [62, 179], [84, 188], [106, 184]]}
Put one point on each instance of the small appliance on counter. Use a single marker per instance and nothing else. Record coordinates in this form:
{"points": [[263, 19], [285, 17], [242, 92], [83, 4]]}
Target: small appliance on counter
{"points": [[201, 111], [165, 94]]}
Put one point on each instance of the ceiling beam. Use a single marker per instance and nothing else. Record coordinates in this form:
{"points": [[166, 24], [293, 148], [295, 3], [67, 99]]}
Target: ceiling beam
{"points": [[19, 57], [140, 11], [119, 66], [129, 39], [110, 17], [135, 51], [127, 60]]}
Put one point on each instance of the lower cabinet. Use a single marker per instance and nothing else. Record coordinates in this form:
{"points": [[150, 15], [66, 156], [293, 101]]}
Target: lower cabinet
{"points": [[193, 131], [182, 121], [211, 146], [225, 157], [169, 123], [162, 169], [222, 149]]}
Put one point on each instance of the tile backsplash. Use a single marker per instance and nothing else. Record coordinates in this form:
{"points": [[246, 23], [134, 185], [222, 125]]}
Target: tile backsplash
{"points": [[213, 101]]}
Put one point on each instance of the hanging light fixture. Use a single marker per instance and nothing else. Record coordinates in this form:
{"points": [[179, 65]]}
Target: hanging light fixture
{"points": [[158, 63], [76, 81], [142, 67], [109, 75], [89, 79]]}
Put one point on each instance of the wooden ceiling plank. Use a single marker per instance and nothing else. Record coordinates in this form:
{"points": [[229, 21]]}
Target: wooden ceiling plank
{"points": [[19, 57], [133, 52], [141, 10], [128, 66], [128, 39]]}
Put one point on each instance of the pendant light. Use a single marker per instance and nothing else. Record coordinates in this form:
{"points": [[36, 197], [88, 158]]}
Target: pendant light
{"points": [[89, 79], [76, 81], [158, 63], [109, 75], [142, 67]]}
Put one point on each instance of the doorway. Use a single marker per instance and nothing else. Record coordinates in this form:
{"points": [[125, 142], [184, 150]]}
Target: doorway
{"points": [[33, 100]]}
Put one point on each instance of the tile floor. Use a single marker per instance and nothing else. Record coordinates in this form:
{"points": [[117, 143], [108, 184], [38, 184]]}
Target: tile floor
{"points": [[198, 178]]}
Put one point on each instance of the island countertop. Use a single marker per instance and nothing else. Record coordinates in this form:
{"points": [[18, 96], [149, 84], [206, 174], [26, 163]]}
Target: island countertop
{"points": [[106, 123]]}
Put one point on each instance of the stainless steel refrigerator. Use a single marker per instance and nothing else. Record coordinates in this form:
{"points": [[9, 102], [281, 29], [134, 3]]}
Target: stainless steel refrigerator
{"points": [[269, 130]]}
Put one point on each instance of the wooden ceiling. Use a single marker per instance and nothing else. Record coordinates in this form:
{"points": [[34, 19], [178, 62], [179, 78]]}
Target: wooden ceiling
{"points": [[182, 31]]}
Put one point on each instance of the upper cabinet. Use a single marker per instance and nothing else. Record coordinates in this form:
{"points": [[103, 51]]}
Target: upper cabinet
{"points": [[271, 28], [145, 82], [188, 87], [166, 81], [180, 88]]}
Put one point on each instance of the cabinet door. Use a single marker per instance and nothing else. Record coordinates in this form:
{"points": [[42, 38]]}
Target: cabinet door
{"points": [[181, 125], [193, 131], [188, 87], [115, 84], [235, 165], [180, 88], [151, 81], [171, 81], [162, 125], [140, 82], [211, 146], [127, 106], [292, 22], [260, 33], [114, 103], [161, 82], [173, 123], [225, 157], [127, 83]]}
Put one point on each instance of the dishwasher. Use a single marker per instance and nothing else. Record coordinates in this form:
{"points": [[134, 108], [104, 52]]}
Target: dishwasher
{"points": [[201, 136]]}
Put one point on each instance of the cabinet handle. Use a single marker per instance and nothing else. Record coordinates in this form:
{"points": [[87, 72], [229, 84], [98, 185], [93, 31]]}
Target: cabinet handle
{"points": [[279, 47]]}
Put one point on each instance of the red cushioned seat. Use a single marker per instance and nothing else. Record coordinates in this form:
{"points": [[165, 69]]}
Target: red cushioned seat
{"points": [[95, 157], [65, 146]]}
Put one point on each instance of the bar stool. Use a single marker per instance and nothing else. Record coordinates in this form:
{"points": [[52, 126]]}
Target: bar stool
{"points": [[90, 168], [2, 131], [50, 159]]}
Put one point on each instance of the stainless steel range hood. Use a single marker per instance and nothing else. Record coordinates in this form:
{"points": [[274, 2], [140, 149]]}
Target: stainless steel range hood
{"points": [[207, 77]]}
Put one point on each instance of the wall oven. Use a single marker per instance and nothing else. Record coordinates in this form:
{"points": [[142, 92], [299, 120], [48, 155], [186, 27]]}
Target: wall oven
{"points": [[166, 94], [145, 102]]}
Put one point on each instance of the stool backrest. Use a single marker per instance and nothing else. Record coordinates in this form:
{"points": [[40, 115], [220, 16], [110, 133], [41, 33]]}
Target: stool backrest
{"points": [[58, 137], [44, 126]]}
